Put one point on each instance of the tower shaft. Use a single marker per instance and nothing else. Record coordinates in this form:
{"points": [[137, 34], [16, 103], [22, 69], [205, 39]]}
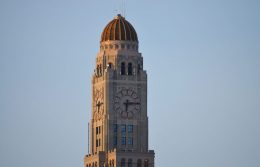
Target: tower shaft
{"points": [[119, 121]]}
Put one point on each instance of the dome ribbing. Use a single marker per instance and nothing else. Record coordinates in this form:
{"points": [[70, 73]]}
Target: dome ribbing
{"points": [[119, 29]]}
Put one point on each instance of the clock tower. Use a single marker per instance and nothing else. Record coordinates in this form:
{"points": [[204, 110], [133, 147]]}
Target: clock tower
{"points": [[119, 122]]}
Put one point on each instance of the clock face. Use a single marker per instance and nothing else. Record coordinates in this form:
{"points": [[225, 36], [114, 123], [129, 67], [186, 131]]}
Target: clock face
{"points": [[98, 104], [127, 103]]}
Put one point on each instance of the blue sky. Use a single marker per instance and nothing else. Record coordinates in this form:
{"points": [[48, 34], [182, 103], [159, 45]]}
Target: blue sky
{"points": [[203, 64]]}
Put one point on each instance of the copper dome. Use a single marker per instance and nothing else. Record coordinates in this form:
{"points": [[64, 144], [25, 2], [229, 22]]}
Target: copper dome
{"points": [[119, 29]]}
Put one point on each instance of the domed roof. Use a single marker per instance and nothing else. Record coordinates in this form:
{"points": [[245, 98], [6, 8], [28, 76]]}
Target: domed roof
{"points": [[119, 29]]}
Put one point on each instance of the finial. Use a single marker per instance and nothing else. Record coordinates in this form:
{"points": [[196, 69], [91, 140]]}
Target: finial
{"points": [[119, 16], [120, 7]]}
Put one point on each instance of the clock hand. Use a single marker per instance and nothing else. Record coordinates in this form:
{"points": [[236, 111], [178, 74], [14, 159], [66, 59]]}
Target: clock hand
{"points": [[126, 105], [133, 103]]}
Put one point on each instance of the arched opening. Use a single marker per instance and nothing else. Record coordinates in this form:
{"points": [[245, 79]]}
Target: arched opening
{"points": [[109, 65], [146, 163], [100, 70], [97, 70], [130, 69], [122, 162], [123, 68], [130, 163], [139, 163], [112, 163]]}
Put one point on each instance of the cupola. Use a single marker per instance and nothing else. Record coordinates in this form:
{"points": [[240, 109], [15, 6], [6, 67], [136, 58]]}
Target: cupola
{"points": [[119, 29]]}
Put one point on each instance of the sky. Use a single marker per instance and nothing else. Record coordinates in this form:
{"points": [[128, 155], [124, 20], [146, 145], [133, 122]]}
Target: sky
{"points": [[203, 63]]}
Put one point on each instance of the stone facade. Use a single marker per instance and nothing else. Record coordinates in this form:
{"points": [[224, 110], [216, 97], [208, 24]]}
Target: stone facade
{"points": [[119, 122]]}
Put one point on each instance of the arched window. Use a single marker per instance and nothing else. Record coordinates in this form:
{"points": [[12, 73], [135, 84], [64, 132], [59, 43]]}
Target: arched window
{"points": [[130, 69], [100, 69], [87, 165], [146, 163], [97, 72], [139, 163], [112, 163], [123, 68], [109, 65], [96, 164], [130, 163], [122, 162]]}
